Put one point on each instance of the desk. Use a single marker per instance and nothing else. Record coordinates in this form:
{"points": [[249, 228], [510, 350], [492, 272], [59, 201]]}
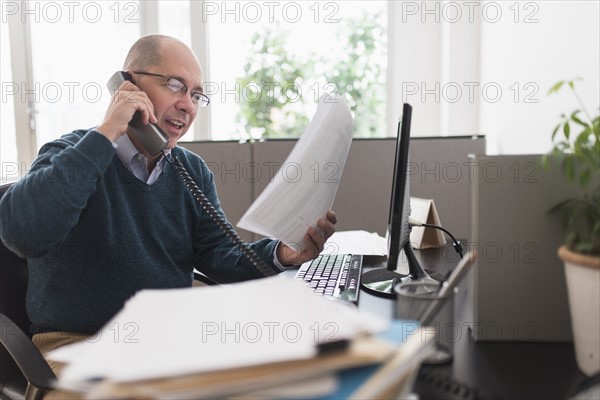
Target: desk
{"points": [[522, 370], [499, 370]]}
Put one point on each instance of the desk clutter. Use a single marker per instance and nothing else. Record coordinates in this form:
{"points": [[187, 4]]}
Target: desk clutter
{"points": [[237, 339]]}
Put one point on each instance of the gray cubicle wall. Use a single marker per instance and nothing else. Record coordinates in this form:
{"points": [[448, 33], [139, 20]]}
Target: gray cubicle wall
{"points": [[440, 169], [519, 290], [230, 163]]}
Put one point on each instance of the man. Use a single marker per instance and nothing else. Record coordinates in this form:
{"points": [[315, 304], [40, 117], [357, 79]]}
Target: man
{"points": [[96, 228]]}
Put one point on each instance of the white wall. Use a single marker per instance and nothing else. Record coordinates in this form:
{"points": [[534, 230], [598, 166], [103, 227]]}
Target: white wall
{"points": [[564, 44], [485, 67]]}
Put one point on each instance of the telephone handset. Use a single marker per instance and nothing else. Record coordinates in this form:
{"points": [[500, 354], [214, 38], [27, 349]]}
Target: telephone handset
{"points": [[151, 136]]}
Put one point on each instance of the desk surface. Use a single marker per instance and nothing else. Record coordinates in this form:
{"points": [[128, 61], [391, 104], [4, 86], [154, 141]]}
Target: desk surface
{"points": [[499, 370]]}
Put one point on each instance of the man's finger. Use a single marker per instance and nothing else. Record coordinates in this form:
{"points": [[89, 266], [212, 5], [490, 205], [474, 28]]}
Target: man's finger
{"points": [[317, 238], [332, 217], [327, 227]]}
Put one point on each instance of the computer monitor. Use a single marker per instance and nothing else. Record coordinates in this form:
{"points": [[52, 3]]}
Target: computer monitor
{"points": [[381, 281]]}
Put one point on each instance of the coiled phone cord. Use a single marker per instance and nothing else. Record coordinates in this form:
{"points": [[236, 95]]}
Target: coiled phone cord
{"points": [[260, 266]]}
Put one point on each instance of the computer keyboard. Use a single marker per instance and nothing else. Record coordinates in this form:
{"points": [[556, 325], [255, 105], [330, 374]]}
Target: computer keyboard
{"points": [[333, 275]]}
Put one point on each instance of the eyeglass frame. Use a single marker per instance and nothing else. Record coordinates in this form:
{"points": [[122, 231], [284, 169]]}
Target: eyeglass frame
{"points": [[203, 101]]}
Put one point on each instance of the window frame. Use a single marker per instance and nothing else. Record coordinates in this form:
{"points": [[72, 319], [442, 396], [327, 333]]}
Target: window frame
{"points": [[22, 71]]}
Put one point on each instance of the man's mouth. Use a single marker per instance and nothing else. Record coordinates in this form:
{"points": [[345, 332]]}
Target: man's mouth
{"points": [[175, 123]]}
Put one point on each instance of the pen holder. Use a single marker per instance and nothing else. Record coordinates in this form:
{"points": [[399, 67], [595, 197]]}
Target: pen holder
{"points": [[422, 302]]}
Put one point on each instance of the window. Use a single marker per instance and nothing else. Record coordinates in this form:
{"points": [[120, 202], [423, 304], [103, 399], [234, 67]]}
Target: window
{"points": [[8, 140], [76, 46], [270, 62], [174, 19], [266, 63]]}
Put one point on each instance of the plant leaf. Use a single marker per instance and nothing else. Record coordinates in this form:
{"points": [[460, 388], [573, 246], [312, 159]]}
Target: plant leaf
{"points": [[566, 130], [570, 168], [556, 87], [582, 142], [575, 118], [563, 206], [545, 161], [596, 125], [563, 146], [585, 177], [555, 131]]}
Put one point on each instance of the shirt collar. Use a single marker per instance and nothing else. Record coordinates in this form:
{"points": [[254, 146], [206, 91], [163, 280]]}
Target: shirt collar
{"points": [[126, 149]]}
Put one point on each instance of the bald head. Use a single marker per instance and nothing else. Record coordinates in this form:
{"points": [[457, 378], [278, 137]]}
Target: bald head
{"points": [[153, 58], [146, 51]]}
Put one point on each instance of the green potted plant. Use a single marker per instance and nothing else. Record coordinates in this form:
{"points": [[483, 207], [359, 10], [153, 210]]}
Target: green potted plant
{"points": [[576, 147]]}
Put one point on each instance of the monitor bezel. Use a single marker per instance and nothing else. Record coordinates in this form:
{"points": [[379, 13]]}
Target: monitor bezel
{"points": [[397, 221]]}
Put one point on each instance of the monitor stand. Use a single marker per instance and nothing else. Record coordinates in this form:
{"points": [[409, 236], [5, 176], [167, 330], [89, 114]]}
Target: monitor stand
{"points": [[381, 281]]}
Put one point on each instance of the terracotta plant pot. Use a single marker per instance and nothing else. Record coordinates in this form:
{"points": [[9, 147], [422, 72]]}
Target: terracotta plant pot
{"points": [[583, 286]]}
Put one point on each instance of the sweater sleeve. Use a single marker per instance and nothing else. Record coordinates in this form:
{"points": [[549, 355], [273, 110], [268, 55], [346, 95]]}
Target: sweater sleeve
{"points": [[216, 255], [39, 211]]}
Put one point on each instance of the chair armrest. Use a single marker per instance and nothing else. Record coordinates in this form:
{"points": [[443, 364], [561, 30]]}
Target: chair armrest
{"points": [[27, 357]]}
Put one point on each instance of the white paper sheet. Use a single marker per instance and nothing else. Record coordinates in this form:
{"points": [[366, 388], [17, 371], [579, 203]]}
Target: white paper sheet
{"points": [[304, 188], [164, 333], [356, 242]]}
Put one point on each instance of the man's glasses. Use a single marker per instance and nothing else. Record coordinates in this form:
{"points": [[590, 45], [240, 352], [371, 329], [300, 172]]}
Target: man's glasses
{"points": [[176, 86]]}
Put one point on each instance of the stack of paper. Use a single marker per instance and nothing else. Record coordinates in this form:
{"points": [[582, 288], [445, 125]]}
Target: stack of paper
{"points": [[224, 332], [390, 373]]}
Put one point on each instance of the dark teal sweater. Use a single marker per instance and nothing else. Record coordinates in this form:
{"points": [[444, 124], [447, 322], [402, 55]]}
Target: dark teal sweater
{"points": [[93, 234]]}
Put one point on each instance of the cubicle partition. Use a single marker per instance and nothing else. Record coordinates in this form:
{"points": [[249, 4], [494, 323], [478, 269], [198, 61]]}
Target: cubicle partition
{"points": [[519, 291], [440, 168]]}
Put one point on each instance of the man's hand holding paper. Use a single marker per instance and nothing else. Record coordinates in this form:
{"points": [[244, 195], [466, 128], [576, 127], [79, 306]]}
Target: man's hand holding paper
{"points": [[314, 241], [295, 206]]}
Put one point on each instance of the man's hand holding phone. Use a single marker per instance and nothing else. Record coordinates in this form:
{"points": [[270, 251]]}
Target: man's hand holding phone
{"points": [[126, 101]]}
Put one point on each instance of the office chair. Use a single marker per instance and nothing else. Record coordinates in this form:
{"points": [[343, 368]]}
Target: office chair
{"points": [[24, 373]]}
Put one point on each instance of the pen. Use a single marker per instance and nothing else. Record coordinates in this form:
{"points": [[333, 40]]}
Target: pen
{"points": [[448, 286]]}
